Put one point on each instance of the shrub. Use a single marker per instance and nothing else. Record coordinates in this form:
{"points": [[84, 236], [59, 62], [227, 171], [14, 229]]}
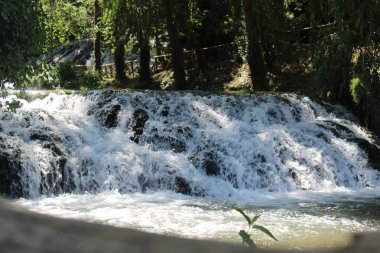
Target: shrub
{"points": [[90, 79]]}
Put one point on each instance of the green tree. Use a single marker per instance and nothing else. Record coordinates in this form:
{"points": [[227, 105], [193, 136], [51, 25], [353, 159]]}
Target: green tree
{"points": [[66, 21], [346, 54], [21, 35]]}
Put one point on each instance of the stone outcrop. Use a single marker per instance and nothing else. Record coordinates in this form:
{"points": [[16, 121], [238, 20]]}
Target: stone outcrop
{"points": [[140, 117]]}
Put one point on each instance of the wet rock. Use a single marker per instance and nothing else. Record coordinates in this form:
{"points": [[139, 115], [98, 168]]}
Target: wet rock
{"points": [[111, 117], [275, 116], [165, 111], [143, 183], [165, 140], [10, 166], [260, 158], [337, 129], [211, 168], [140, 117], [10, 185], [53, 147], [44, 135], [178, 146], [294, 175], [261, 172], [210, 165], [372, 151], [67, 183], [182, 186]]}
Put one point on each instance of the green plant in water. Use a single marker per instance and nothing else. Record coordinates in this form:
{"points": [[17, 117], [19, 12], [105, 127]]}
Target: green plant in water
{"points": [[245, 236]]}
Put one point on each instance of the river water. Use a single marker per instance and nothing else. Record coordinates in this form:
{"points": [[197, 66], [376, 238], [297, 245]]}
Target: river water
{"points": [[178, 163]]}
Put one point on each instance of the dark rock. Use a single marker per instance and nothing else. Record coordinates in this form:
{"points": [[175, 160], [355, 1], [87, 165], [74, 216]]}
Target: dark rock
{"points": [[276, 116], [182, 186], [233, 180], [184, 131], [178, 146], [169, 138], [261, 158], [296, 112], [44, 135], [10, 182], [140, 117], [210, 165], [53, 147], [111, 118], [337, 129], [165, 111], [294, 175], [372, 151], [261, 172], [67, 182], [211, 168], [143, 183]]}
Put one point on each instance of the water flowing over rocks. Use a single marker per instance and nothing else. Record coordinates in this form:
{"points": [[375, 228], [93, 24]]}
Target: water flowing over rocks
{"points": [[140, 117], [191, 143]]}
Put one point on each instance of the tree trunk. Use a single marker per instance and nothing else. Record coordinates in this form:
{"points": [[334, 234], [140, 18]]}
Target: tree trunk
{"points": [[255, 55], [157, 43], [144, 72], [119, 61], [97, 44], [176, 48]]}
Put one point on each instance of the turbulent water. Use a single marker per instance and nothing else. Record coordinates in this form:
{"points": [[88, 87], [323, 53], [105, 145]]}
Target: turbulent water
{"points": [[130, 159]]}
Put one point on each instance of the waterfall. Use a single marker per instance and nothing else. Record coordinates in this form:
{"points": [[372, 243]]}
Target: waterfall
{"points": [[196, 143]]}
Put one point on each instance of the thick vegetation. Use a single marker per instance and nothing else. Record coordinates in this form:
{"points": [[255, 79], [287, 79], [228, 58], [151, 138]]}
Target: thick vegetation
{"points": [[327, 48]]}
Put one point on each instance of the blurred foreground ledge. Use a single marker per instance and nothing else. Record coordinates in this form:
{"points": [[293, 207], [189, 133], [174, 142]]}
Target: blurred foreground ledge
{"points": [[23, 231]]}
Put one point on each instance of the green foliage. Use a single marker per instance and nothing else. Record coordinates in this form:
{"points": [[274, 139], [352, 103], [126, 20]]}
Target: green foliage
{"points": [[90, 79], [71, 77], [10, 105], [13, 105], [365, 87], [39, 75], [21, 35], [246, 237], [67, 21], [346, 54], [340, 29], [357, 90]]}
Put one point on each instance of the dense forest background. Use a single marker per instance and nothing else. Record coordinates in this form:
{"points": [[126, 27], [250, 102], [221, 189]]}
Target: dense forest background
{"points": [[327, 49]]}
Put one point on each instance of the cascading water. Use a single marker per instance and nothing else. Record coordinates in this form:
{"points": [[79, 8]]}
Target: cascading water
{"points": [[149, 149]]}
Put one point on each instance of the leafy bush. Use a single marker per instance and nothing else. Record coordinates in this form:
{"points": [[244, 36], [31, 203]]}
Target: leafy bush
{"points": [[90, 79], [39, 75], [71, 77], [68, 76], [246, 237]]}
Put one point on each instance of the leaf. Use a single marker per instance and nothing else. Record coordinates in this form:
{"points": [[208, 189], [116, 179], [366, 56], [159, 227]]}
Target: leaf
{"points": [[247, 239], [254, 219], [244, 215], [244, 235], [265, 230]]}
